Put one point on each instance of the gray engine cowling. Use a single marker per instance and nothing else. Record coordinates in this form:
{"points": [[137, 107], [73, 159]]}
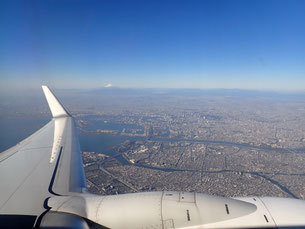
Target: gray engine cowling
{"points": [[62, 220]]}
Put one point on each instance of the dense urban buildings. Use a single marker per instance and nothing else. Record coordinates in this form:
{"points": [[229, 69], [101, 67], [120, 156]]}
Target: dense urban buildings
{"points": [[222, 145]]}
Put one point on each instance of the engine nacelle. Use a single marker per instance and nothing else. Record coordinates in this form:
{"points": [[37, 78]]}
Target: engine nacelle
{"points": [[62, 220], [181, 210]]}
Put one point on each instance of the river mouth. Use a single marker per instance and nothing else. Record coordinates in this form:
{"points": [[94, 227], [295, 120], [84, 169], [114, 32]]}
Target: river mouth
{"points": [[109, 144], [104, 143]]}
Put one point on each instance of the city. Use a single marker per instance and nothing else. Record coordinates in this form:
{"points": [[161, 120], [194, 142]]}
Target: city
{"points": [[228, 146]]}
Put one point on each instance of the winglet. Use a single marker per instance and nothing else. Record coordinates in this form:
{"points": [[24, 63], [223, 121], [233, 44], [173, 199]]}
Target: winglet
{"points": [[56, 108]]}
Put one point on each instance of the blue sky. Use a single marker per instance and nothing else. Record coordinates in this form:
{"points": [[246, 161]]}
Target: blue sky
{"points": [[153, 44]]}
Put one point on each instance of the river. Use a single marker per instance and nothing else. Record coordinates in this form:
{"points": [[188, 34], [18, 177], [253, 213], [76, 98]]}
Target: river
{"points": [[14, 130]]}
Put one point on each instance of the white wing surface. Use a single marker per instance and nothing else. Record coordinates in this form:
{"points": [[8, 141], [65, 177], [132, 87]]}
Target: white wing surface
{"points": [[46, 164]]}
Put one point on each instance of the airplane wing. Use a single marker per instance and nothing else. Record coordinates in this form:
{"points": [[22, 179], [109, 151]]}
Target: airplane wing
{"points": [[46, 164]]}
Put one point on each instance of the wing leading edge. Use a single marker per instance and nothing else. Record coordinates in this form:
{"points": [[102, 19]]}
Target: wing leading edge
{"points": [[46, 164]]}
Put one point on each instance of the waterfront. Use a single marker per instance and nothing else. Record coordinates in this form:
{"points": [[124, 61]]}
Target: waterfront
{"points": [[15, 130], [188, 147]]}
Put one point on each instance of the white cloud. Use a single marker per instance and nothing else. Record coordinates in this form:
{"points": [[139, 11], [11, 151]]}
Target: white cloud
{"points": [[108, 85]]}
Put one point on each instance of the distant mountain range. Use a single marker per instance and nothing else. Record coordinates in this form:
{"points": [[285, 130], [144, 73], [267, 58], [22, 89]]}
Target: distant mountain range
{"points": [[194, 92]]}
